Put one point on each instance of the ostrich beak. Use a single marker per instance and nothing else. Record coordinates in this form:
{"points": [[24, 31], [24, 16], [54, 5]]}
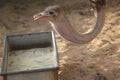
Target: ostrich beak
{"points": [[39, 16]]}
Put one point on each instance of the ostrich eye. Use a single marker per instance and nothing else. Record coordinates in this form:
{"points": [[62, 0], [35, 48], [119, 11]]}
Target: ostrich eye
{"points": [[51, 13]]}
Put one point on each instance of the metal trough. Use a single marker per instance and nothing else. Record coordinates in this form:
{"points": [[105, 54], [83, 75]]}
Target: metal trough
{"points": [[30, 56]]}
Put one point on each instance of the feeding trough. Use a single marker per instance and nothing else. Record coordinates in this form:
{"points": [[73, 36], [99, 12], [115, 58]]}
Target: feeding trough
{"points": [[30, 56]]}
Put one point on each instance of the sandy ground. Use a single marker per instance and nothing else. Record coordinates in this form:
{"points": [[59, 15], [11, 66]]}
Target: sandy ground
{"points": [[77, 61]]}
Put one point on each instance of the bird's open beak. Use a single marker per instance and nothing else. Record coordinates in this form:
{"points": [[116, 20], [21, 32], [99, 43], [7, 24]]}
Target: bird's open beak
{"points": [[39, 16]]}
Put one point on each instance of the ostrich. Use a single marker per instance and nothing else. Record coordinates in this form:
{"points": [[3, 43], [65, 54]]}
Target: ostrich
{"points": [[60, 23]]}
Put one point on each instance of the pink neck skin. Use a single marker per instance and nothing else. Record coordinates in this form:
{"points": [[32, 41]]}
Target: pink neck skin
{"points": [[64, 28]]}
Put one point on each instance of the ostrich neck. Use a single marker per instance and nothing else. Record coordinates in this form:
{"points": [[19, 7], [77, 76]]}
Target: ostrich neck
{"points": [[64, 28]]}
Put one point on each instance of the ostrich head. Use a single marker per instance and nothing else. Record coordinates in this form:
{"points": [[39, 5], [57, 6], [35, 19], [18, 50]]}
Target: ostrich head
{"points": [[50, 13]]}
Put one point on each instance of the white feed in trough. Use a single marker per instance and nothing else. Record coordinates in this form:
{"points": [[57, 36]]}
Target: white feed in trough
{"points": [[38, 58]]}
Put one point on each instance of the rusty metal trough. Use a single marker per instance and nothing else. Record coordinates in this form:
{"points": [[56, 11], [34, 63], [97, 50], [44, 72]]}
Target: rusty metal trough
{"points": [[31, 56]]}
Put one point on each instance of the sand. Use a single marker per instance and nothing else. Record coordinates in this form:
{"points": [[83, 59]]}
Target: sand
{"points": [[77, 61]]}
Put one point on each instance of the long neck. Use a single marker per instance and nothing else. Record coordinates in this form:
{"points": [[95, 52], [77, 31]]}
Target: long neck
{"points": [[63, 26]]}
